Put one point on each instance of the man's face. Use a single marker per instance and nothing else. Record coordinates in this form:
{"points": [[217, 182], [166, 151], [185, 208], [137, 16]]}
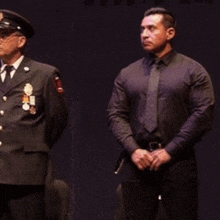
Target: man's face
{"points": [[153, 33], [9, 43]]}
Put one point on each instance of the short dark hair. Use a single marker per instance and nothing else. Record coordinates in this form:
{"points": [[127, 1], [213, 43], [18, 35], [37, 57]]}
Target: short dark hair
{"points": [[168, 18]]}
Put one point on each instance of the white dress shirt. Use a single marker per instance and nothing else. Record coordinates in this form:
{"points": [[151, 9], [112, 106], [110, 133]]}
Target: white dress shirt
{"points": [[15, 67]]}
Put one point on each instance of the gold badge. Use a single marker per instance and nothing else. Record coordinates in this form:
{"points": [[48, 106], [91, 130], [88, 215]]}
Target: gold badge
{"points": [[28, 89]]}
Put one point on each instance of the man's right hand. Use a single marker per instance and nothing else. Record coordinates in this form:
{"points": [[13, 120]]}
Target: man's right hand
{"points": [[141, 158]]}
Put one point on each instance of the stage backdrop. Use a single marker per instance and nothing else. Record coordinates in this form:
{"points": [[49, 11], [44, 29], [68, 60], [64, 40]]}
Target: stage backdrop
{"points": [[90, 41]]}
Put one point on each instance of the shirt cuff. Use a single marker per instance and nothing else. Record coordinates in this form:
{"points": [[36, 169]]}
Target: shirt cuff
{"points": [[172, 149], [130, 145]]}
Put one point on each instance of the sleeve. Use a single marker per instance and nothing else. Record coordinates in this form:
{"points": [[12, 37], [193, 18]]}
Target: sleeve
{"points": [[201, 102], [55, 109], [118, 116]]}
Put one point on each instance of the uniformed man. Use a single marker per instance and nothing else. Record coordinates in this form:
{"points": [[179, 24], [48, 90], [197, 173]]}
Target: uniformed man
{"points": [[32, 117]]}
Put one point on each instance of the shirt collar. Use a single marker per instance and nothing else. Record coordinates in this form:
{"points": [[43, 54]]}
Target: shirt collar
{"points": [[150, 59], [166, 59], [15, 64]]}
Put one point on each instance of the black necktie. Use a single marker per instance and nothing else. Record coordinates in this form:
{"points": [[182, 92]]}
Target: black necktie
{"points": [[8, 70], [151, 103]]}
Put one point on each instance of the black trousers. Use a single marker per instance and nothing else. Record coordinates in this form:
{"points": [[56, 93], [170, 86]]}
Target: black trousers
{"points": [[177, 183], [22, 202]]}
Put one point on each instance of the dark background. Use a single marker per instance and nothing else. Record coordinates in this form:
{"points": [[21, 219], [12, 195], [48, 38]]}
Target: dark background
{"points": [[90, 41]]}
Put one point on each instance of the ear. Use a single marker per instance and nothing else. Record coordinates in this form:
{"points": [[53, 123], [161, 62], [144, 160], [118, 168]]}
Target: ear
{"points": [[22, 41], [171, 32]]}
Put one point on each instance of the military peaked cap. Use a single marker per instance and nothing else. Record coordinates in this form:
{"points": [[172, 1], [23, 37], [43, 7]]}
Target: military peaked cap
{"points": [[10, 20]]}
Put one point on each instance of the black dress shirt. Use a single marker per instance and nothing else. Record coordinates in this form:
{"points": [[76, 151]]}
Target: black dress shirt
{"points": [[185, 104]]}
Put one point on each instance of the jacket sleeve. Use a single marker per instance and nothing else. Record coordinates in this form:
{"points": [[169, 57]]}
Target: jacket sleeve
{"points": [[118, 116], [56, 113]]}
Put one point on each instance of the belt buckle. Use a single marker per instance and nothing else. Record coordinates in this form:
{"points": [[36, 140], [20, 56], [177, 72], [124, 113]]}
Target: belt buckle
{"points": [[154, 146]]}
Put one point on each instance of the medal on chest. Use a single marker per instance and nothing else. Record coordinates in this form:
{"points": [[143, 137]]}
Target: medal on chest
{"points": [[28, 100]]}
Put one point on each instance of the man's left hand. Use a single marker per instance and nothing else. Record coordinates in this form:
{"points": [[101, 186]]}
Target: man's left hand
{"points": [[160, 157]]}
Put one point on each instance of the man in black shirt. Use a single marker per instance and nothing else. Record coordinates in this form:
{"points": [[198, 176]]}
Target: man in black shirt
{"points": [[161, 106]]}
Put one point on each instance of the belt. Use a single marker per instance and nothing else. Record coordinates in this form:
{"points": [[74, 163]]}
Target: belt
{"points": [[154, 146]]}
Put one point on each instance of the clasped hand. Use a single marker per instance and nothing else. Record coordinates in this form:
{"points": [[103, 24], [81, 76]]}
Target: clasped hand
{"points": [[153, 160]]}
